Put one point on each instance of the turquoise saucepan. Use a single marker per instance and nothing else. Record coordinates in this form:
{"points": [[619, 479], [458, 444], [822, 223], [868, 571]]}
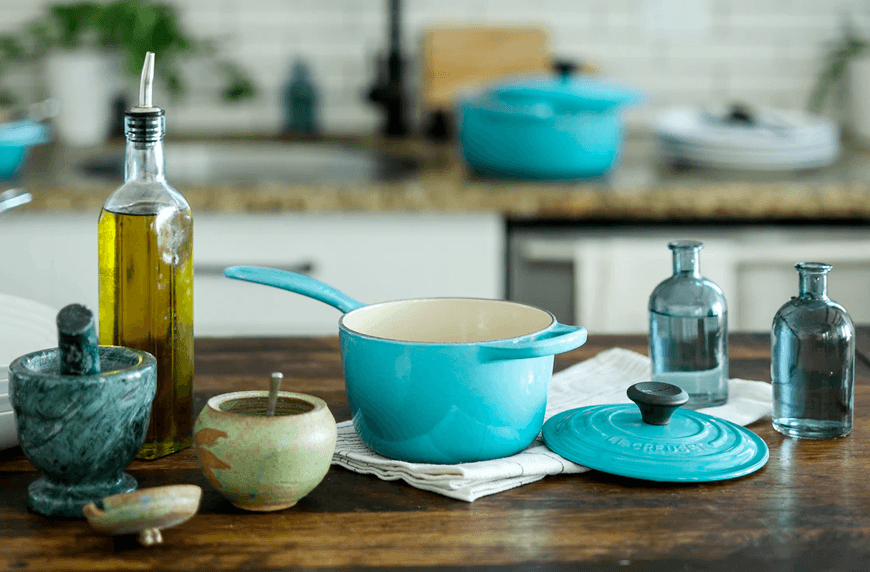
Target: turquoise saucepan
{"points": [[440, 380]]}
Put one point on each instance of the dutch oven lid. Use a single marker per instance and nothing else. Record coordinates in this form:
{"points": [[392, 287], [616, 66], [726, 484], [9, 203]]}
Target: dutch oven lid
{"points": [[655, 441], [566, 95]]}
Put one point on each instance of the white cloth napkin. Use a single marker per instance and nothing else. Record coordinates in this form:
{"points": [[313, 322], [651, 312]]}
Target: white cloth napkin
{"points": [[597, 381]]}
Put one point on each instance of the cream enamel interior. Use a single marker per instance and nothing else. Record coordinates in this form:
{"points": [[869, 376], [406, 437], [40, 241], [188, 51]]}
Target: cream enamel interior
{"points": [[447, 320]]}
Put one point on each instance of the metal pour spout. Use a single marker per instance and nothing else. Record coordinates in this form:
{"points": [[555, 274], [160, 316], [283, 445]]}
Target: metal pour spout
{"points": [[145, 123], [146, 83]]}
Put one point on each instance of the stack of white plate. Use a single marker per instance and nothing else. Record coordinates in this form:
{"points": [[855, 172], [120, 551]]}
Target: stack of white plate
{"points": [[768, 139], [25, 326]]}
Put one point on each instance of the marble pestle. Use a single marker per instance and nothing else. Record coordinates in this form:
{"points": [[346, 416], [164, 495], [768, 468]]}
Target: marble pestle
{"points": [[77, 341]]}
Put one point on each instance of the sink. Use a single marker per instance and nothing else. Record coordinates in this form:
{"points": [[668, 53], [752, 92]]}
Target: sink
{"points": [[256, 162]]}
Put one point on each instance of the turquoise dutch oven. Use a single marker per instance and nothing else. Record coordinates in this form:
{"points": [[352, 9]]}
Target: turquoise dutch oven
{"points": [[544, 128], [440, 380]]}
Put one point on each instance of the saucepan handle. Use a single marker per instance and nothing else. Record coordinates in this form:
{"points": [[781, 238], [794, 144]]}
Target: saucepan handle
{"points": [[294, 282], [559, 339]]}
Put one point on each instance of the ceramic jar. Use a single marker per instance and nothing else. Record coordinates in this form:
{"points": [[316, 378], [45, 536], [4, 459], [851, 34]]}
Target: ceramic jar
{"points": [[260, 462]]}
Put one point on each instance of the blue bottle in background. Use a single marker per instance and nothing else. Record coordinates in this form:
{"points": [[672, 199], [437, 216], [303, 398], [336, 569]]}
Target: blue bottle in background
{"points": [[300, 102], [688, 330], [812, 365]]}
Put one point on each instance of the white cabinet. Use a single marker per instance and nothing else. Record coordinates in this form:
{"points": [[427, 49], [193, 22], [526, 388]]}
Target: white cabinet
{"points": [[49, 258], [615, 271], [371, 257]]}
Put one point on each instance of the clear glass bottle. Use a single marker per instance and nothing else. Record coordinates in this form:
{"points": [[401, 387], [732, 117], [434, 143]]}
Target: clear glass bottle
{"points": [[812, 365], [146, 274], [688, 330]]}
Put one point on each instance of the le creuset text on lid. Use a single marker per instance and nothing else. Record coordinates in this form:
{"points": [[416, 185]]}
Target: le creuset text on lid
{"points": [[653, 440]]}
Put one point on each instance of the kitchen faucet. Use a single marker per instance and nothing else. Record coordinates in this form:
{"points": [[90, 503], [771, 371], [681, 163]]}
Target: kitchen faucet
{"points": [[389, 90]]}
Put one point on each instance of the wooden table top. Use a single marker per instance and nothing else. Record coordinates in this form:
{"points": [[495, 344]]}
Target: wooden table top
{"points": [[807, 509]]}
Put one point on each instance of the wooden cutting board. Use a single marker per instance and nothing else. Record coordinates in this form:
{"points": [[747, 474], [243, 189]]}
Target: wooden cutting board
{"points": [[456, 57]]}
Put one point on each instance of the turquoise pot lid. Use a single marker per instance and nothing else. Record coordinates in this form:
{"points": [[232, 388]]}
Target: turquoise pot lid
{"points": [[581, 94], [548, 97], [653, 440]]}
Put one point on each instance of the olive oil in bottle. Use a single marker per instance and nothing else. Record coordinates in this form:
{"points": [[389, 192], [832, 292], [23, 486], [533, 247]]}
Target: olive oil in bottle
{"points": [[146, 273]]}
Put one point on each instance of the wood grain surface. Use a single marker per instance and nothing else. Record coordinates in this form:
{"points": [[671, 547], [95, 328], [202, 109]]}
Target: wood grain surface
{"points": [[498, 52], [808, 509]]}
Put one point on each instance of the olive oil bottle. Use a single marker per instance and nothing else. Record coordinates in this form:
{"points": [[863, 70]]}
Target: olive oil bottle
{"points": [[146, 273]]}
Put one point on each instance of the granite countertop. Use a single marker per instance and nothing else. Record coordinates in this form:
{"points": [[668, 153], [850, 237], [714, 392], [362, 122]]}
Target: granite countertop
{"points": [[640, 188]]}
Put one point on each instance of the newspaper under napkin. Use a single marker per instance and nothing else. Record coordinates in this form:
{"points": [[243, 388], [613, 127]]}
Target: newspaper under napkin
{"points": [[598, 381]]}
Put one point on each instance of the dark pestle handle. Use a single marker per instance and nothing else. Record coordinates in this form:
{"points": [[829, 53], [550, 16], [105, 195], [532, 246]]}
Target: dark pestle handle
{"points": [[657, 401], [77, 341]]}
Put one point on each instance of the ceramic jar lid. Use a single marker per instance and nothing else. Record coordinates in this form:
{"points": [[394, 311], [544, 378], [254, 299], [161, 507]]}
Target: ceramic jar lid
{"points": [[654, 440], [144, 512]]}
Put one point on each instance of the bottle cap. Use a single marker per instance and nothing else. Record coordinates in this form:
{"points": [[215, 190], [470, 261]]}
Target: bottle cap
{"points": [[145, 122]]}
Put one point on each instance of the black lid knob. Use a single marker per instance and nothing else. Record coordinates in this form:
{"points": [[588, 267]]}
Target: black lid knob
{"points": [[741, 113], [564, 68], [657, 401]]}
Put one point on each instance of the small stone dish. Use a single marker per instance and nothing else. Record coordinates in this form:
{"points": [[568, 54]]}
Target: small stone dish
{"points": [[145, 512], [264, 462]]}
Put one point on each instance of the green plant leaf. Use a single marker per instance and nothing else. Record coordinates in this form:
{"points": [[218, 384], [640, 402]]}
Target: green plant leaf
{"points": [[10, 47], [239, 85], [174, 85], [74, 21], [134, 27], [7, 97], [838, 59]]}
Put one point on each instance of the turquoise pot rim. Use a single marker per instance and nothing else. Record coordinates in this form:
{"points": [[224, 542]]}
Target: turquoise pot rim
{"points": [[343, 328]]}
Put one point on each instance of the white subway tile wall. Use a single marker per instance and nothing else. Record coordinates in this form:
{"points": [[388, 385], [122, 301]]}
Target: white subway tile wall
{"points": [[678, 51]]}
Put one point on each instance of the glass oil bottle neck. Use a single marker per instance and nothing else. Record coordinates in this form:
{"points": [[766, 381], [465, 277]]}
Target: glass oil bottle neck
{"points": [[144, 130], [686, 257], [145, 161], [813, 280]]}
